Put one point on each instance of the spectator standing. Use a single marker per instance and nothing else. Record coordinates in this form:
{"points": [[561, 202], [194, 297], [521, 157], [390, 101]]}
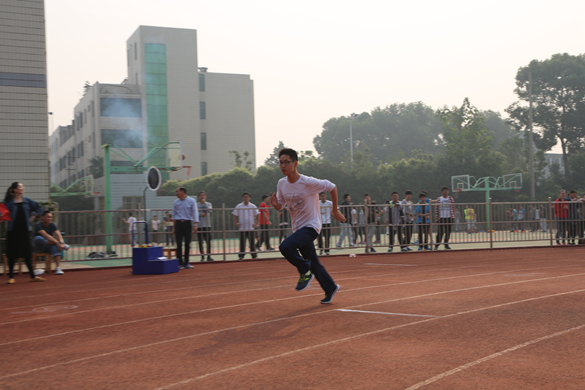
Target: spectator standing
{"points": [[48, 239], [186, 218], [408, 210], [370, 213], [395, 222], [155, 227], [423, 214], [445, 214], [457, 219], [572, 217], [361, 226], [169, 224], [204, 227], [264, 223], [346, 210], [131, 227], [283, 219], [561, 208], [324, 238], [246, 219], [21, 210], [470, 219], [543, 218]]}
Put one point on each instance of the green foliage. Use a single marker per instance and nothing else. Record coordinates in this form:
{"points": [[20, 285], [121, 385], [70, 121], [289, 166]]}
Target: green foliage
{"points": [[558, 92], [272, 160], [390, 131], [96, 167], [245, 159]]}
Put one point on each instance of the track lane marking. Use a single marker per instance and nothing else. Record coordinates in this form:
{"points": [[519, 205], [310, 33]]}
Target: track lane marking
{"points": [[333, 342], [382, 312], [490, 357]]}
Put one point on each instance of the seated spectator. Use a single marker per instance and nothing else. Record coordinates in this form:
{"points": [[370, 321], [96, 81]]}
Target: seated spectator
{"points": [[48, 239]]}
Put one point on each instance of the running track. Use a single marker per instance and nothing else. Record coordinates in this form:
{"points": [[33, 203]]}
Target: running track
{"points": [[489, 319]]}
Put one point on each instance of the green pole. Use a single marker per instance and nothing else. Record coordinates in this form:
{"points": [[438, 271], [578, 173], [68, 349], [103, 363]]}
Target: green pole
{"points": [[487, 201], [107, 197]]}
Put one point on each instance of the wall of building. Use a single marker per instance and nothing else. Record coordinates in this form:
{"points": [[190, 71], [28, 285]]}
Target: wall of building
{"points": [[23, 97]]}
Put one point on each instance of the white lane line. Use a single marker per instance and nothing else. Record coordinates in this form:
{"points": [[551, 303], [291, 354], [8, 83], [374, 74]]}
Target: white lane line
{"points": [[40, 318], [284, 354], [268, 358], [382, 312], [397, 265], [269, 301], [490, 357]]}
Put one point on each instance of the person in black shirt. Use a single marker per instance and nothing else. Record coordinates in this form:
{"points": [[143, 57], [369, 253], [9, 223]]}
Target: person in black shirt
{"points": [[48, 239], [345, 226]]}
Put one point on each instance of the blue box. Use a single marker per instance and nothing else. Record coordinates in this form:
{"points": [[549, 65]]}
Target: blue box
{"points": [[145, 262]]}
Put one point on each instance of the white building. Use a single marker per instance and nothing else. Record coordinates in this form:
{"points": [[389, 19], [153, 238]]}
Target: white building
{"points": [[553, 159], [166, 97], [23, 97]]}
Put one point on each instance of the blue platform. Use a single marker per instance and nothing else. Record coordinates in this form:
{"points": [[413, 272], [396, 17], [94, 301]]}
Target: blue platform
{"points": [[145, 262]]}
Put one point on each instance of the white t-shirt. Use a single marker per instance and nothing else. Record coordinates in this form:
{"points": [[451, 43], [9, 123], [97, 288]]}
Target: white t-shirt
{"points": [[302, 198], [326, 208], [131, 221], [155, 224], [245, 214], [445, 207], [408, 209]]}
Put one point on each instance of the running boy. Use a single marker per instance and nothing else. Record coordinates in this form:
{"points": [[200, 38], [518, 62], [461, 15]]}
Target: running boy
{"points": [[300, 194]]}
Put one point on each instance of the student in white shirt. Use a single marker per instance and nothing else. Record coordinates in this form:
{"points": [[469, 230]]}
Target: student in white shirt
{"points": [[325, 233], [246, 218], [131, 228], [155, 225], [300, 194]]}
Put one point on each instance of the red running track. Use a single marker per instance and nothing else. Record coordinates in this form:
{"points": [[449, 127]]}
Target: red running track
{"points": [[492, 319]]}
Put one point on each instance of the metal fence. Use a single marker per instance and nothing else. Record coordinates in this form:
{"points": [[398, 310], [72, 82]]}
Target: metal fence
{"points": [[369, 229]]}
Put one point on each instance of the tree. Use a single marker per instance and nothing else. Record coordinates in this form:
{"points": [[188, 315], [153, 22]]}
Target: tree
{"points": [[244, 159], [465, 134], [395, 130], [86, 87], [273, 160], [558, 94], [96, 167]]}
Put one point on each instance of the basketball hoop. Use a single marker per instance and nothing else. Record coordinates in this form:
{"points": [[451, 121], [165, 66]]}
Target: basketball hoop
{"points": [[95, 194], [518, 189], [188, 169]]}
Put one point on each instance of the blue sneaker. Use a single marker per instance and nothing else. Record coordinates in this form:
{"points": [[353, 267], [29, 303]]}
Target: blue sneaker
{"points": [[329, 297], [390, 249], [420, 248], [304, 281]]}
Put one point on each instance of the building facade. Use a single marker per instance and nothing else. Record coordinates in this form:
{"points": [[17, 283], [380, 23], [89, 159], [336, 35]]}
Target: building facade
{"points": [[23, 97], [166, 97]]}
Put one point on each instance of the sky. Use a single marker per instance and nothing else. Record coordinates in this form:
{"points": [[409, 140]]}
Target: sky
{"points": [[319, 59]]}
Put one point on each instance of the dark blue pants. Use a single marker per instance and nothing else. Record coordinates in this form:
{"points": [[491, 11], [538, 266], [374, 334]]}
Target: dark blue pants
{"points": [[302, 241]]}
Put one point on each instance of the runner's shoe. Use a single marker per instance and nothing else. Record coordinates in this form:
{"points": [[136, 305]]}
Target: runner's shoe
{"points": [[188, 266], [59, 271], [329, 297], [447, 246], [304, 281], [37, 279]]}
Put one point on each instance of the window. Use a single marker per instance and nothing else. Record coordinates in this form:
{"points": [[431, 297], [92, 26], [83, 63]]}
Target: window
{"points": [[203, 168], [122, 138], [201, 82], [135, 51], [202, 113], [203, 141], [121, 108]]}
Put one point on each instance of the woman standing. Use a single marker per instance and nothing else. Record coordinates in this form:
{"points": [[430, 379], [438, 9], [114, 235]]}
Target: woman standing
{"points": [[17, 237]]}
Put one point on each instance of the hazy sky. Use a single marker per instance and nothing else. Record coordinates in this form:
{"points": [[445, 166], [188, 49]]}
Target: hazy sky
{"points": [[314, 60]]}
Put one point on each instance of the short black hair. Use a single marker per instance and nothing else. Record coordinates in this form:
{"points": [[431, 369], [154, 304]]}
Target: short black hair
{"points": [[46, 212], [264, 197], [201, 192], [183, 189], [422, 195], [345, 196], [366, 195], [444, 188], [289, 152], [573, 192], [246, 193], [321, 193], [409, 192], [394, 193]]}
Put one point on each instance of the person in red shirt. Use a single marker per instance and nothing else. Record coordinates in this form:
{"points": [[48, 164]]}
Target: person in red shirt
{"points": [[561, 208], [265, 223]]}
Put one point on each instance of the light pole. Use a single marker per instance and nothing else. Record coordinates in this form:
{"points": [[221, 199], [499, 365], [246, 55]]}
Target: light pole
{"points": [[351, 118]]}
